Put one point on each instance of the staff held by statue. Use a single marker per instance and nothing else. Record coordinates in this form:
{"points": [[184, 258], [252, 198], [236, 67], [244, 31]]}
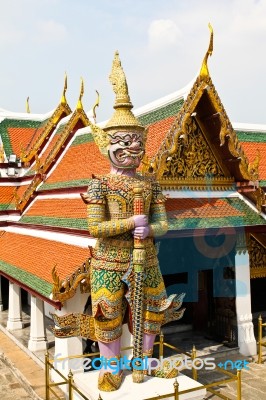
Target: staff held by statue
{"points": [[139, 255]]}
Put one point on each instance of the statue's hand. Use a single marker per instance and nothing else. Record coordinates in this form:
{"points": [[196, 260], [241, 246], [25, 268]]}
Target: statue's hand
{"points": [[140, 220], [141, 232]]}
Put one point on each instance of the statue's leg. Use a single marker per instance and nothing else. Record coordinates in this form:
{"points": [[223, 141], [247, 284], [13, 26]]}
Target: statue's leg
{"points": [[110, 376], [148, 342]]}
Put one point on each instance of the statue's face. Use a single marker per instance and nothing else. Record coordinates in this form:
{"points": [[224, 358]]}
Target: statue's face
{"points": [[126, 149]]}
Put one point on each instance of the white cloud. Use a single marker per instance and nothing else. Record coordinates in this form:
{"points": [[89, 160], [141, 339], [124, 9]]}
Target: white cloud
{"points": [[163, 33], [50, 31]]}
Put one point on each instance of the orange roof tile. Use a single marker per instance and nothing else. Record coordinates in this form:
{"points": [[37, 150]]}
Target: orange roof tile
{"points": [[66, 208], [200, 208], [38, 256], [20, 138], [156, 134], [80, 161]]}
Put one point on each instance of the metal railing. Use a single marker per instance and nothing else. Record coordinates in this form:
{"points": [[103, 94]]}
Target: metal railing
{"points": [[72, 388], [261, 340], [233, 378], [68, 381]]}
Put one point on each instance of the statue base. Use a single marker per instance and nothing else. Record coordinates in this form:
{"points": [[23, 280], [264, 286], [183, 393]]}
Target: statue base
{"points": [[87, 383]]}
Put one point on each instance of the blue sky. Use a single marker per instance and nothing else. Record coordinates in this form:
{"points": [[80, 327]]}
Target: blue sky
{"points": [[161, 45]]}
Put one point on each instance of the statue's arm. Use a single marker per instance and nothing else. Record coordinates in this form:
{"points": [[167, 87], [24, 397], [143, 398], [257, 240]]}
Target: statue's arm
{"points": [[158, 218], [99, 227]]}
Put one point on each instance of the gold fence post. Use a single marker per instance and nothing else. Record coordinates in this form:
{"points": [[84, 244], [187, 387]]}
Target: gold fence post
{"points": [[161, 345], [176, 387], [70, 385], [47, 377], [193, 357], [238, 374], [260, 339]]}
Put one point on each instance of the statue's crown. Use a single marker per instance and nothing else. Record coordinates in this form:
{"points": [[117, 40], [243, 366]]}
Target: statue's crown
{"points": [[123, 118]]}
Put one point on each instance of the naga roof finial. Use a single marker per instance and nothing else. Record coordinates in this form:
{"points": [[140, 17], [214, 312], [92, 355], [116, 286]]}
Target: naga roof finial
{"points": [[204, 72], [63, 98], [81, 93], [28, 105]]}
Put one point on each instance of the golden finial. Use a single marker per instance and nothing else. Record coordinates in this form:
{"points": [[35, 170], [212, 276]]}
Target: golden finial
{"points": [[28, 105], [204, 72], [81, 93], [63, 98], [97, 102]]}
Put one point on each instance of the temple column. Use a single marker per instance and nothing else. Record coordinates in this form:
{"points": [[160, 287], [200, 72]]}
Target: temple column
{"points": [[1, 300], [14, 320], [38, 339], [246, 339]]}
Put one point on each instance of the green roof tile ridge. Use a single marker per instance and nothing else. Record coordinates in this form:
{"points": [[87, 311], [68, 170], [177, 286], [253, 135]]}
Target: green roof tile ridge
{"points": [[161, 113], [73, 223], [66, 184], [248, 136], [7, 206], [34, 282], [85, 138]]}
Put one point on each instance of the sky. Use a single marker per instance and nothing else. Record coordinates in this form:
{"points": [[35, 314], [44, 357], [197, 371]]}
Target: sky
{"points": [[161, 45]]}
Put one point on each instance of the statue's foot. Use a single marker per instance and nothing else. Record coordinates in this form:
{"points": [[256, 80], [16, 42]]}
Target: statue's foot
{"points": [[109, 382]]}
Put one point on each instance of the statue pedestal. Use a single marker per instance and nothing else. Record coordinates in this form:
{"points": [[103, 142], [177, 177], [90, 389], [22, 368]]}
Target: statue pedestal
{"points": [[151, 387]]}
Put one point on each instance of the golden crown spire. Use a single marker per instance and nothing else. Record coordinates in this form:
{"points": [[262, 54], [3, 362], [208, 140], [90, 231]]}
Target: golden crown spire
{"points": [[123, 119], [204, 72]]}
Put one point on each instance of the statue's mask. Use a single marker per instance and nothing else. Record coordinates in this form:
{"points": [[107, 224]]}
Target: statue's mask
{"points": [[126, 149]]}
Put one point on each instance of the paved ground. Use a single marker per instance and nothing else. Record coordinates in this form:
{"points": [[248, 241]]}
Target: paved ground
{"points": [[10, 387], [22, 377]]}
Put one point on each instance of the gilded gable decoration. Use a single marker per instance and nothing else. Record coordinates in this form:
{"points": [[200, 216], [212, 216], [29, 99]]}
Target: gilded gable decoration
{"points": [[201, 144]]}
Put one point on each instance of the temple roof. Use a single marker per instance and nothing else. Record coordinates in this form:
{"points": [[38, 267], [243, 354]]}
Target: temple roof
{"points": [[209, 213], [30, 260]]}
